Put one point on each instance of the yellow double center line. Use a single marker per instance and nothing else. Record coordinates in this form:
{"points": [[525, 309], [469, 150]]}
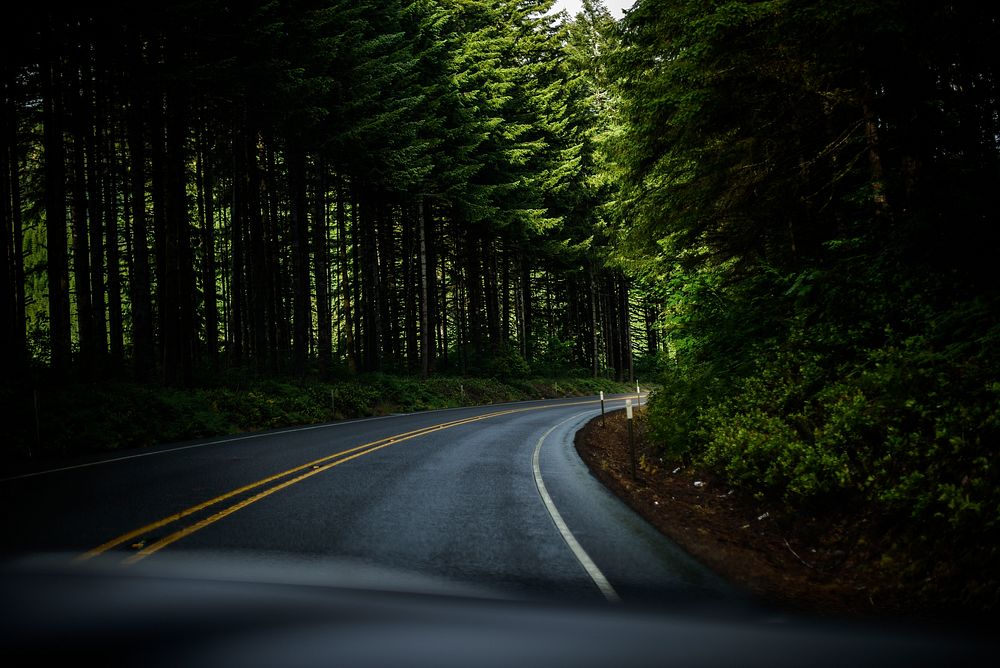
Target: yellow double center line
{"points": [[281, 481]]}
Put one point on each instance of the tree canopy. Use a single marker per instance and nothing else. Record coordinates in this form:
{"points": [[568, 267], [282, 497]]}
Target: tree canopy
{"points": [[301, 187]]}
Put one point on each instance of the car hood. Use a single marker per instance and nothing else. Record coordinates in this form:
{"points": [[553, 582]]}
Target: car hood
{"points": [[267, 610]]}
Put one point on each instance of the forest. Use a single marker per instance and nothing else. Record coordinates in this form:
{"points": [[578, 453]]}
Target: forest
{"points": [[782, 213], [302, 190], [302, 187]]}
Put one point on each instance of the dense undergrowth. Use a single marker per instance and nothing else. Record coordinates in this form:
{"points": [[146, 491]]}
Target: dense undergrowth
{"points": [[893, 419], [76, 418], [811, 188]]}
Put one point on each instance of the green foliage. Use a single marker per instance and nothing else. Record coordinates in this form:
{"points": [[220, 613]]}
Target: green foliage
{"points": [[907, 427], [508, 364], [94, 417], [766, 435], [554, 359], [798, 189], [674, 409]]}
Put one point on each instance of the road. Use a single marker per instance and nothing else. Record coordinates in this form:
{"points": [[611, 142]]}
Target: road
{"points": [[318, 546], [456, 497]]}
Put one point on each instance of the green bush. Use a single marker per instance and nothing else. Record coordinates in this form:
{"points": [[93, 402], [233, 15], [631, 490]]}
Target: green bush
{"points": [[554, 359], [90, 417], [908, 428], [768, 437]]}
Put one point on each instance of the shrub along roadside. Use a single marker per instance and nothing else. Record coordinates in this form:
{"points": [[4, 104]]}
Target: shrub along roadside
{"points": [[82, 418], [900, 434]]}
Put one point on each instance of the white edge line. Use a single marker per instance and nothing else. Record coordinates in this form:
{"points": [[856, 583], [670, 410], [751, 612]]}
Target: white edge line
{"points": [[245, 437], [581, 555], [219, 441]]}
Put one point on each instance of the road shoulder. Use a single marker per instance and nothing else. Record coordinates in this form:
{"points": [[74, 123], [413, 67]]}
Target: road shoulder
{"points": [[789, 562]]}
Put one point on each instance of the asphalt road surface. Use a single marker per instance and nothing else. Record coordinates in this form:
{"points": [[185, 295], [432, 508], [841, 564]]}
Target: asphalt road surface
{"points": [[472, 536], [456, 496]]}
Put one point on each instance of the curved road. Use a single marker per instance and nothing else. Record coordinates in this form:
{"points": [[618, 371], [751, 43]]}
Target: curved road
{"points": [[304, 547], [492, 497]]}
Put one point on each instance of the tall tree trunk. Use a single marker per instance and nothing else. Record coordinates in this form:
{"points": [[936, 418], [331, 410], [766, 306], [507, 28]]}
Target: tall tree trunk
{"points": [[457, 295], [628, 361], [224, 256], [474, 289], [164, 308], [387, 336], [14, 306], [649, 318], [491, 298], [460, 302], [55, 206], [595, 354], [321, 263], [369, 302], [410, 258], [277, 288], [139, 280], [237, 225], [208, 277], [17, 224], [435, 308], [425, 293], [261, 300], [8, 254], [112, 184], [300, 258], [361, 317], [505, 294], [873, 142], [345, 280], [443, 304], [611, 338], [78, 220], [96, 173], [526, 311], [180, 328]]}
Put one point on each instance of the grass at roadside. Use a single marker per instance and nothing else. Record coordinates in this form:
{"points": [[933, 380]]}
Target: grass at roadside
{"points": [[78, 418]]}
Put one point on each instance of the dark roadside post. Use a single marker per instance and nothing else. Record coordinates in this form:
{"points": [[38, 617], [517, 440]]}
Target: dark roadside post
{"points": [[631, 436], [602, 409]]}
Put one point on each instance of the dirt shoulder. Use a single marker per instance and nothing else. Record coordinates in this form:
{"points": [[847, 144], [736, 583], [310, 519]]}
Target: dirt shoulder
{"points": [[827, 566]]}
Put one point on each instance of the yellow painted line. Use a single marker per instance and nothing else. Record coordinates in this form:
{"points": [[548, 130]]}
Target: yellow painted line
{"points": [[170, 519], [317, 466], [197, 526]]}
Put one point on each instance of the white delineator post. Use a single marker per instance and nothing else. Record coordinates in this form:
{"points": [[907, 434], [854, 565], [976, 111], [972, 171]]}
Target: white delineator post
{"points": [[602, 408], [631, 437]]}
